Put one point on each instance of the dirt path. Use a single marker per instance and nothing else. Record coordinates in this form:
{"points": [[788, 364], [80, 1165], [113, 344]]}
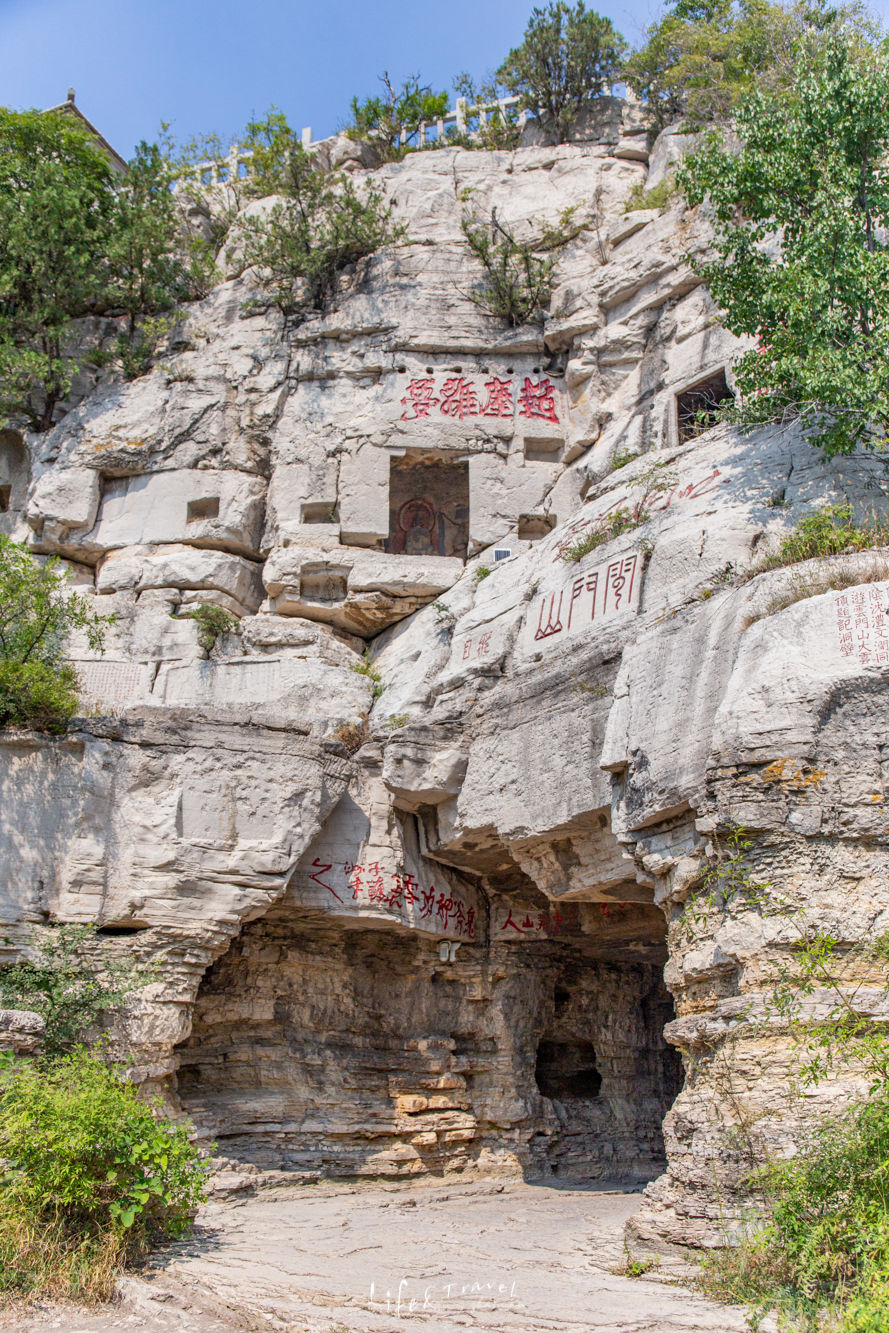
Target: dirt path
{"points": [[507, 1258]]}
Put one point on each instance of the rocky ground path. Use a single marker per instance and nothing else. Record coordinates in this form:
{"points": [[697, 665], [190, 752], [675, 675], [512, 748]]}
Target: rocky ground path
{"points": [[505, 1257]]}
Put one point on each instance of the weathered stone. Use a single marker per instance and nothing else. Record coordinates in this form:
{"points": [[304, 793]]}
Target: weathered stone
{"points": [[411, 909]]}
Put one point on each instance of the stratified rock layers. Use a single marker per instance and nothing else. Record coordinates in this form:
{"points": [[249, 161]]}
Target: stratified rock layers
{"points": [[411, 845]]}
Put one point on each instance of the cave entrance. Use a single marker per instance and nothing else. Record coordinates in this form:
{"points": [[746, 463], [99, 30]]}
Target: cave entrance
{"points": [[567, 1069], [697, 407], [428, 505], [336, 1047]]}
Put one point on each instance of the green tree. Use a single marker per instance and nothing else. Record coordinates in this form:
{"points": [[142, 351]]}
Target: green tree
{"points": [[153, 264], [323, 224], [704, 56], [800, 209], [568, 55], [37, 614], [517, 281], [75, 241], [391, 123], [56, 205]]}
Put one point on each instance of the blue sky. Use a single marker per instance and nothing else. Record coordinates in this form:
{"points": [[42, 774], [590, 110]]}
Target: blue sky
{"points": [[209, 65]]}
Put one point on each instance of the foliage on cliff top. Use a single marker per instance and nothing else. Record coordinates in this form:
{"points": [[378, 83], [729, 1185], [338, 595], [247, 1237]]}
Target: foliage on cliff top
{"points": [[800, 205], [92, 1176], [78, 241], [323, 225], [38, 612], [568, 55], [390, 124], [702, 57]]}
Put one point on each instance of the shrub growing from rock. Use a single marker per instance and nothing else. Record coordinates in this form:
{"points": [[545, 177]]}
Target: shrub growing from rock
{"points": [[92, 1176], [322, 225], [37, 613]]}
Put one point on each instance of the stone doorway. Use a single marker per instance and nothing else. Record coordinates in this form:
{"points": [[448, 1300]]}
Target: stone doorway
{"points": [[428, 505], [341, 1049]]}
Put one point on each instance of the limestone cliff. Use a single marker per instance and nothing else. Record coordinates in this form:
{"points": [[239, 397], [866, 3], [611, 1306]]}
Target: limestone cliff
{"points": [[425, 928]]}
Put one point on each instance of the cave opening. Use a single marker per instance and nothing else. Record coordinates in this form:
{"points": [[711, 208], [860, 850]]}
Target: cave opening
{"points": [[337, 1048], [567, 1070]]}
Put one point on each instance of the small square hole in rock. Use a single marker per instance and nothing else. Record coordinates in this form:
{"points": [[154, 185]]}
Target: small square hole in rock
{"points": [[199, 509], [698, 406], [531, 527], [320, 511], [5, 496], [547, 449]]}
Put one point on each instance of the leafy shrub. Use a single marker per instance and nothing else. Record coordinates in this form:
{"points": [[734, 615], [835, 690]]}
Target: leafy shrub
{"points": [[822, 1255], [366, 668], [500, 129], [518, 274], [699, 60], [80, 241], [92, 1176], [35, 695], [323, 225], [657, 197], [568, 55], [613, 525], [68, 984], [390, 123], [796, 197], [37, 613], [828, 531], [213, 622], [654, 480]]}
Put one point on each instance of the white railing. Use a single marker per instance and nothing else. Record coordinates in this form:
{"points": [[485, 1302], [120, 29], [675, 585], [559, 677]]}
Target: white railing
{"points": [[236, 165]]}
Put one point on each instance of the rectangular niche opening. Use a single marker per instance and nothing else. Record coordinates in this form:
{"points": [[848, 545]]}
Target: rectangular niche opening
{"points": [[320, 511], [201, 509], [326, 585], [698, 405], [547, 449], [428, 505], [5, 497], [531, 527]]}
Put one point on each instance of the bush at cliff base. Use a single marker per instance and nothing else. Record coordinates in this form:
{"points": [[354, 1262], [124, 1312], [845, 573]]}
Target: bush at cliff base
{"points": [[822, 1257], [92, 1176]]}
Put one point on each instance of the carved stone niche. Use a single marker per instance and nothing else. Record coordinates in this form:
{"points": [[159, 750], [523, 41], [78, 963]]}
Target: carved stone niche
{"points": [[428, 504]]}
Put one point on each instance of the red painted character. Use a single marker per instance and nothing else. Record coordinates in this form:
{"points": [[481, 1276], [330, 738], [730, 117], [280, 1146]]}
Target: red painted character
{"points": [[407, 885], [419, 399], [376, 886], [470, 923], [353, 875], [322, 869], [445, 908], [538, 400], [458, 399], [427, 901], [484, 645], [514, 925], [499, 400]]}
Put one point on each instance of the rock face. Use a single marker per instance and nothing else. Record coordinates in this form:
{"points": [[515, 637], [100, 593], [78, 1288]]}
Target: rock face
{"points": [[412, 844]]}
